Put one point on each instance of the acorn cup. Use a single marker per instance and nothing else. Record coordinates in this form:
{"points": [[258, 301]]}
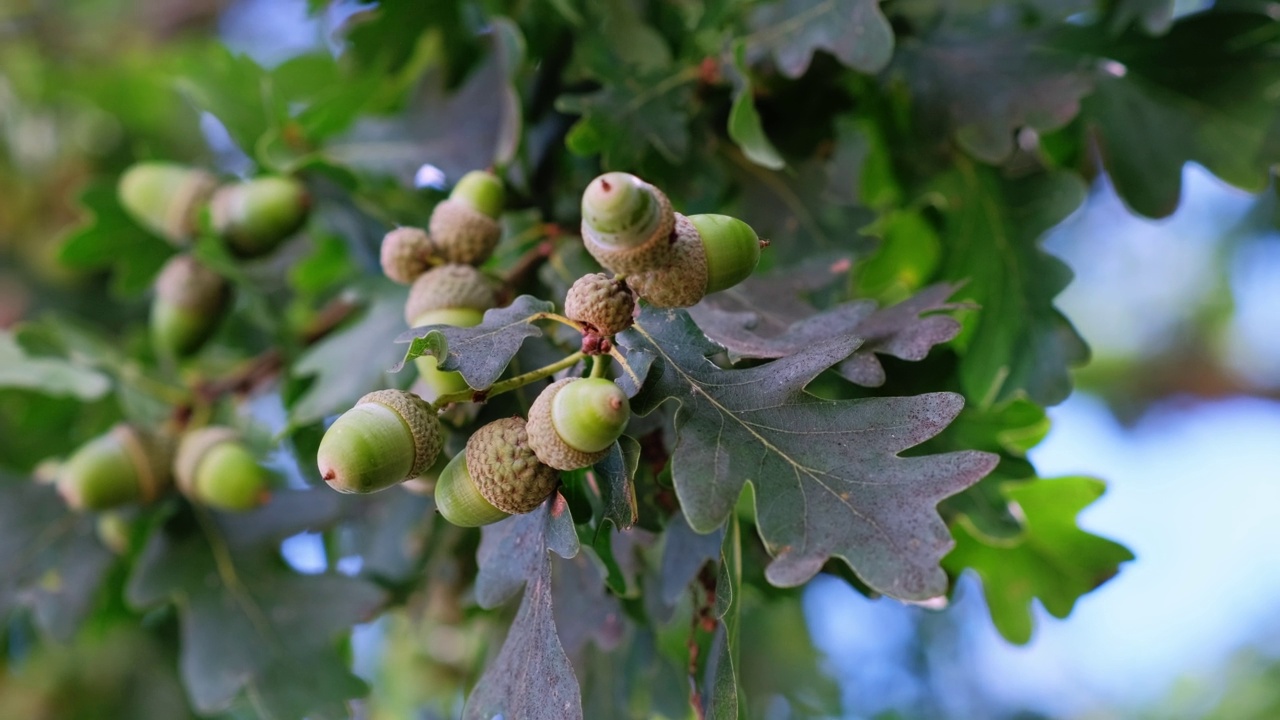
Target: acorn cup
{"points": [[627, 223], [454, 295], [406, 253], [498, 475], [464, 228], [190, 301], [214, 468], [166, 198], [603, 303], [711, 253], [255, 216], [125, 465], [388, 437], [575, 421]]}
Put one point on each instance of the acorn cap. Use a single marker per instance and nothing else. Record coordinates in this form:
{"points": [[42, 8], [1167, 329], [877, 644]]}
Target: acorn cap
{"points": [[447, 287], [505, 470], [731, 247], [166, 198], [682, 282], [626, 223], [601, 302], [575, 421], [122, 466], [255, 216], [461, 234], [406, 253], [389, 436]]}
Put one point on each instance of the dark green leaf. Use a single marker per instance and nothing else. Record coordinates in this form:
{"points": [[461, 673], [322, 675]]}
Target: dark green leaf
{"points": [[855, 31], [831, 470], [1053, 560], [113, 240], [744, 120], [630, 115]]}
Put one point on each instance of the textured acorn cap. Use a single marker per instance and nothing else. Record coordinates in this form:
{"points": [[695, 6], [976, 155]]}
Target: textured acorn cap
{"points": [[166, 198], [505, 469], [389, 436], [448, 287], [626, 223], [406, 254], [602, 302], [124, 465], [461, 234], [683, 281], [593, 418], [253, 217]]}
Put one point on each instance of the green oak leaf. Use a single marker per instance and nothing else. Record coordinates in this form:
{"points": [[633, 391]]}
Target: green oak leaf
{"points": [[745, 127], [352, 361], [827, 475], [480, 353], [236, 90], [1018, 342], [854, 31], [249, 623], [50, 557], [1201, 93], [631, 114], [48, 375], [532, 676], [1053, 560], [113, 240]]}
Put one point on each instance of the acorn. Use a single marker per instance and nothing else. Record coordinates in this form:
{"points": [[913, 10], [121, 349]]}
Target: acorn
{"points": [[189, 302], [603, 303], [166, 198], [114, 529], [388, 437], [454, 295], [498, 475], [711, 253], [125, 465], [253, 217], [627, 223], [214, 468], [406, 254], [575, 421], [464, 228]]}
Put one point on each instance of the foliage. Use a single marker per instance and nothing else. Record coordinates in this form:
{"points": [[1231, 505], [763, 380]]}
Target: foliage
{"points": [[862, 407]]}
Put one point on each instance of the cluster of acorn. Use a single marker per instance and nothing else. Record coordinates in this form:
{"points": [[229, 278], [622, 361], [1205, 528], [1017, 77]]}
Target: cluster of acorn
{"points": [[512, 465], [252, 218], [211, 466]]}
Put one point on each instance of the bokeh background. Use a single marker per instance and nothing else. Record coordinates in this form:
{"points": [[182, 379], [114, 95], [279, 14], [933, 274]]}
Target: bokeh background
{"points": [[1178, 412]]}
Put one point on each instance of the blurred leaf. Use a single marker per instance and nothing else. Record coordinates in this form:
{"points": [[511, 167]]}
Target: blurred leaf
{"points": [[831, 470], [113, 240], [1155, 16], [909, 253], [249, 623], [531, 677], [234, 89], [632, 113], [1054, 560], [1018, 341], [46, 375], [744, 120], [855, 31], [480, 353]]}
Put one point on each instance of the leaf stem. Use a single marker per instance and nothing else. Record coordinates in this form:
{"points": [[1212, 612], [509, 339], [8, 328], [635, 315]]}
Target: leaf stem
{"points": [[510, 383], [557, 317], [599, 364]]}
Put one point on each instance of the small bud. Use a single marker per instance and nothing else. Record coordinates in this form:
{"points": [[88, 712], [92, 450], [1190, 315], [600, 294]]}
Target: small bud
{"points": [[496, 476], [214, 468], [575, 421], [125, 465], [388, 437], [166, 198], [255, 216], [190, 301]]}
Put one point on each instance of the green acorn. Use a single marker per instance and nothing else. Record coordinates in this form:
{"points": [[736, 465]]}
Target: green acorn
{"points": [[125, 465], [166, 198], [255, 216], [114, 529], [454, 295], [464, 228], [214, 468], [626, 223], [575, 421], [388, 437], [406, 253], [497, 476], [711, 253], [190, 301], [603, 303]]}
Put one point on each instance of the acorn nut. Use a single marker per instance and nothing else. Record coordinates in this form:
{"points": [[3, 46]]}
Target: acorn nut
{"points": [[405, 254], [125, 465], [711, 253], [605, 304], [498, 475], [575, 421], [214, 468], [464, 228], [189, 302], [166, 198], [388, 437], [253, 217], [454, 295], [627, 223]]}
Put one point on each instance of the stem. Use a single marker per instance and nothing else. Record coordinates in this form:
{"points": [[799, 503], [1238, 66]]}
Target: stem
{"points": [[557, 318], [510, 383], [616, 354], [599, 364]]}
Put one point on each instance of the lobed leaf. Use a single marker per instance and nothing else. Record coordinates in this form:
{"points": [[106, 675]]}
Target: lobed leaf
{"points": [[791, 31]]}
